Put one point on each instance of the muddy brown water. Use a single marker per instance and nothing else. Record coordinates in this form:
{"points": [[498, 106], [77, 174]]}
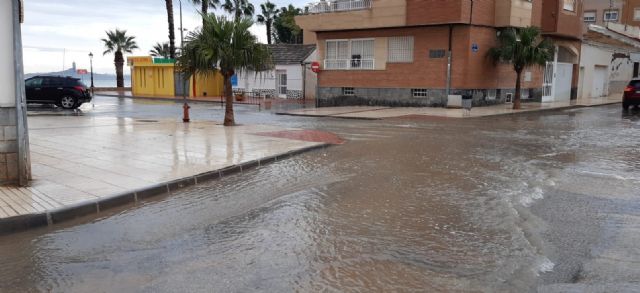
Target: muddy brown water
{"points": [[538, 202]]}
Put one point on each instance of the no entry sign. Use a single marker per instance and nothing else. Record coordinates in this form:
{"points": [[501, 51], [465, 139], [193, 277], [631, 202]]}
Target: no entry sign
{"points": [[315, 66]]}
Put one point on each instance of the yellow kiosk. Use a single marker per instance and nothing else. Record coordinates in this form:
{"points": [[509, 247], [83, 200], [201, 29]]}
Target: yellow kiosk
{"points": [[156, 77]]}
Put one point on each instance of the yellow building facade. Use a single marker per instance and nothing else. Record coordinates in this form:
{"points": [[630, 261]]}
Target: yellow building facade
{"points": [[156, 78]]}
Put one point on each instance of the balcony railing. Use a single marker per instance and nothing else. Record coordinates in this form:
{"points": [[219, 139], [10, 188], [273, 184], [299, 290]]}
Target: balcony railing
{"points": [[338, 5], [349, 64]]}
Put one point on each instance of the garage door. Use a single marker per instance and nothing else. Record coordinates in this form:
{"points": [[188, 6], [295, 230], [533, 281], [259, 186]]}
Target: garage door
{"points": [[564, 74], [599, 79]]}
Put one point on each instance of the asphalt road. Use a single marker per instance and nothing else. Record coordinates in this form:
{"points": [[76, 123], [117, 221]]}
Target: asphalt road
{"points": [[545, 201]]}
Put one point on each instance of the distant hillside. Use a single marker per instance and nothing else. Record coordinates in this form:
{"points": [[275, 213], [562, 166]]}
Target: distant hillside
{"points": [[73, 73]]}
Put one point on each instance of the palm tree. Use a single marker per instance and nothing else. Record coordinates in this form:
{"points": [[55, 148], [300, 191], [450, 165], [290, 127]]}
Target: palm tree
{"points": [[224, 46], [269, 14], [160, 50], [239, 8], [172, 33], [206, 4], [522, 47], [118, 42], [286, 29]]}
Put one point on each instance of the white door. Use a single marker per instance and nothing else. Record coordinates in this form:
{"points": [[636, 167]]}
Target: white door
{"points": [[599, 78], [564, 75], [281, 83], [547, 83]]}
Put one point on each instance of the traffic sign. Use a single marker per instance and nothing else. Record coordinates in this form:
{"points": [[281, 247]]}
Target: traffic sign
{"points": [[315, 66]]}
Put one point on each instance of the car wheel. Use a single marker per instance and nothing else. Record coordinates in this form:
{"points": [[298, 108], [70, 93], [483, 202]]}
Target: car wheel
{"points": [[68, 102]]}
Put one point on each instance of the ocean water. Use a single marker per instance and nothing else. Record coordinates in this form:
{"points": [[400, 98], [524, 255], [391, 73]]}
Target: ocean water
{"points": [[106, 82]]}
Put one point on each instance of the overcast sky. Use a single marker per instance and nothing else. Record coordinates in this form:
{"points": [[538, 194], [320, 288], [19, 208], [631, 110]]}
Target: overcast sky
{"points": [[56, 32]]}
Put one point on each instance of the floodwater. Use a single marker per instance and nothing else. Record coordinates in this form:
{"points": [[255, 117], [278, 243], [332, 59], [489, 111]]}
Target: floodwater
{"points": [[536, 202]]}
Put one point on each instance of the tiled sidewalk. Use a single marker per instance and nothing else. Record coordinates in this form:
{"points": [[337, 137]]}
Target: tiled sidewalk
{"points": [[371, 112], [79, 160]]}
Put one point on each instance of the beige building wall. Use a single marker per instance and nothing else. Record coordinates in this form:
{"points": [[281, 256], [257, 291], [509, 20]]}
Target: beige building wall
{"points": [[383, 13], [513, 13], [599, 7]]}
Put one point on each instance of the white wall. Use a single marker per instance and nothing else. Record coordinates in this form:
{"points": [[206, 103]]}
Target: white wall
{"points": [[7, 75], [294, 76], [267, 80], [311, 83], [619, 73]]}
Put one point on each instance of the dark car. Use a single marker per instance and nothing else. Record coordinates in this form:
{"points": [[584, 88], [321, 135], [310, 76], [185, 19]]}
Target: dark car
{"points": [[631, 96], [65, 92]]}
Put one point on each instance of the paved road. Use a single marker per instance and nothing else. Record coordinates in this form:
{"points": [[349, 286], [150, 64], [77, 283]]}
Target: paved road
{"points": [[535, 202]]}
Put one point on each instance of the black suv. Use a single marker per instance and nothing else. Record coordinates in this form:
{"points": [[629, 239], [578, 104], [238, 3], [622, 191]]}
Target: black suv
{"points": [[65, 92]]}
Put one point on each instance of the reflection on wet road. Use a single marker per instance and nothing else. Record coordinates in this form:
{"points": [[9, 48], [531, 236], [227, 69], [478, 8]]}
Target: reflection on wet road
{"points": [[545, 202]]}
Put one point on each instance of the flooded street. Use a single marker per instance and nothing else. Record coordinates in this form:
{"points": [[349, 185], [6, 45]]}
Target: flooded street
{"points": [[546, 201]]}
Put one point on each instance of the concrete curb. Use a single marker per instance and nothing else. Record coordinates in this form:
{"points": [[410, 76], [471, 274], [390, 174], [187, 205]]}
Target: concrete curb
{"points": [[491, 115], [70, 212], [327, 116]]}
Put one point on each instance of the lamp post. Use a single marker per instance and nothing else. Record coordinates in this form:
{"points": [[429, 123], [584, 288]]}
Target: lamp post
{"points": [[185, 106], [91, 68]]}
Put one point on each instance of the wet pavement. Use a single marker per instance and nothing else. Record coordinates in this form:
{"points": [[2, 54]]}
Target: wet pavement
{"points": [[535, 202]]}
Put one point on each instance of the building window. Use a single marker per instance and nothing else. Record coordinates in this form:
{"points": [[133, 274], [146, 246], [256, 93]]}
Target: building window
{"points": [[348, 91], [611, 15], [362, 54], [636, 14], [349, 54], [420, 93], [491, 95], [439, 53], [590, 16], [400, 49], [569, 5]]}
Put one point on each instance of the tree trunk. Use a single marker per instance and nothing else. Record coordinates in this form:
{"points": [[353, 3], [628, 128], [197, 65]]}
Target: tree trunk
{"points": [[516, 100], [205, 10], [229, 120], [172, 33], [269, 32], [119, 62]]}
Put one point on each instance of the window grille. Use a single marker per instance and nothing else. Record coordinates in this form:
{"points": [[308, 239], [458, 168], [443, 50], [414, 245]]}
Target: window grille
{"points": [[420, 93], [348, 91], [439, 53], [401, 49]]}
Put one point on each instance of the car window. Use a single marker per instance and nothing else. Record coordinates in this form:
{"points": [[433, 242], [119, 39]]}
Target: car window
{"points": [[34, 82], [52, 82], [74, 82], [635, 83]]}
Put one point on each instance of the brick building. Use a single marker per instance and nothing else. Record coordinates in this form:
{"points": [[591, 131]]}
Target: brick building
{"points": [[601, 12], [396, 52]]}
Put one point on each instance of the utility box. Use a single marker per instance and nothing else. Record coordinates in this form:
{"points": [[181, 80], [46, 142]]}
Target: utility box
{"points": [[454, 101]]}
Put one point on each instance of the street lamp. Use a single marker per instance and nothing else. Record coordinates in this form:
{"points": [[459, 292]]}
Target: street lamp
{"points": [[91, 68], [185, 106]]}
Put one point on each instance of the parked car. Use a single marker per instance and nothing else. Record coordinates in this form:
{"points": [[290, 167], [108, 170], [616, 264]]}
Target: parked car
{"points": [[631, 96], [65, 92]]}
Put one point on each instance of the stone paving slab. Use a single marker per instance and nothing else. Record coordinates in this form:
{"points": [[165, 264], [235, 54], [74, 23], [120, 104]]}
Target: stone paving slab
{"points": [[366, 112], [80, 162]]}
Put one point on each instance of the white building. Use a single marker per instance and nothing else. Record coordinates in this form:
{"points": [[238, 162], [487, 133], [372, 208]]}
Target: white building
{"points": [[607, 63], [292, 77]]}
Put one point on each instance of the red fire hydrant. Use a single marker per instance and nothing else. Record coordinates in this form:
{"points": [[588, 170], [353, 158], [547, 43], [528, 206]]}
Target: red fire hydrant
{"points": [[185, 114]]}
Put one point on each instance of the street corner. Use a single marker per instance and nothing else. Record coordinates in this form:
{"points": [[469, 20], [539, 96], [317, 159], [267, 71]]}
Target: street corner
{"points": [[306, 135]]}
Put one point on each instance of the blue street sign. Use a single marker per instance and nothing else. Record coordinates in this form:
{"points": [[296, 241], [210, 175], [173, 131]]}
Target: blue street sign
{"points": [[234, 80], [474, 47]]}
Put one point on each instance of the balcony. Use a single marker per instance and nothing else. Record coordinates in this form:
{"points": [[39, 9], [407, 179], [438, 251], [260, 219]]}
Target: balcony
{"points": [[349, 64], [338, 5]]}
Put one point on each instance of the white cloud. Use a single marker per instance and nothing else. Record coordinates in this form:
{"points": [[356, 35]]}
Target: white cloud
{"points": [[55, 31]]}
